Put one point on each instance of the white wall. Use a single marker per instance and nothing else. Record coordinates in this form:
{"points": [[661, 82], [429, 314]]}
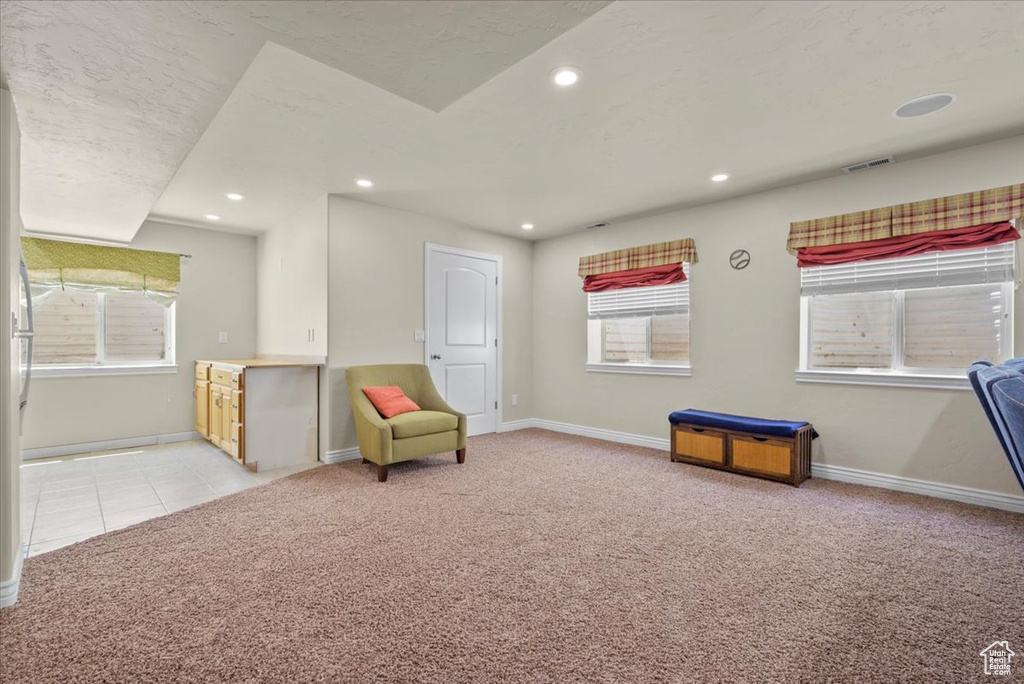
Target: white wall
{"points": [[217, 294], [745, 330], [10, 449], [292, 285], [376, 299]]}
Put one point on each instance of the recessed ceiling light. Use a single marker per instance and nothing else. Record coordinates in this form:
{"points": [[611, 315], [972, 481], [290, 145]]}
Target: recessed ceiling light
{"points": [[364, 183], [719, 177], [213, 217], [920, 106], [234, 196], [566, 76], [527, 226]]}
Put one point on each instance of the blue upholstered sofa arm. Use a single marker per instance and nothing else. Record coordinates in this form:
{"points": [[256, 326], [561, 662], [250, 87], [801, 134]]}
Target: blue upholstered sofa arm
{"points": [[1000, 390]]}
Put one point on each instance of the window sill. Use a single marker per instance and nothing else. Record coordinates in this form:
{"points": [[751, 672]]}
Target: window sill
{"points": [[685, 371], [914, 381], [93, 371]]}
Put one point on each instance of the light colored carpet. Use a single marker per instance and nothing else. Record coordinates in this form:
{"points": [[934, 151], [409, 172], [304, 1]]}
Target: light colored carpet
{"points": [[545, 558]]}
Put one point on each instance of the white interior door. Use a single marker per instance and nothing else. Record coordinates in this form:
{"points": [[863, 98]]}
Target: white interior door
{"points": [[462, 334]]}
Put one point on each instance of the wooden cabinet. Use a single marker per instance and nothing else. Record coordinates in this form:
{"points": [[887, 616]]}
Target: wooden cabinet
{"points": [[226, 412], [202, 395], [279, 400], [216, 431]]}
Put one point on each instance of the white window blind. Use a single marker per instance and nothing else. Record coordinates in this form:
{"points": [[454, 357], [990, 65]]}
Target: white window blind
{"points": [[936, 269], [640, 327], [924, 314], [641, 301]]}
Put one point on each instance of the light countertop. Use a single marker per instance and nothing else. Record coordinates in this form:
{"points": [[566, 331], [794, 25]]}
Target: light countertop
{"points": [[258, 363]]}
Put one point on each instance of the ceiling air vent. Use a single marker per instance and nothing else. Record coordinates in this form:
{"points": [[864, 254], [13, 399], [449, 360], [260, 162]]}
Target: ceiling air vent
{"points": [[881, 161], [592, 226]]}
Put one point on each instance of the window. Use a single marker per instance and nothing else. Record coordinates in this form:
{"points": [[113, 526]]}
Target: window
{"points": [[898, 320], [122, 331], [640, 329]]}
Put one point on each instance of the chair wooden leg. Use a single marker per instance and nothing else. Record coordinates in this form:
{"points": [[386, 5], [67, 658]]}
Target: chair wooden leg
{"points": [[460, 455], [382, 473]]}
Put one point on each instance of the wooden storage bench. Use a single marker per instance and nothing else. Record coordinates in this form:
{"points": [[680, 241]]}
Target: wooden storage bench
{"points": [[773, 449]]}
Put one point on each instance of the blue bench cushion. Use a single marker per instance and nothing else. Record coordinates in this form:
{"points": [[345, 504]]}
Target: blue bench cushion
{"points": [[725, 421]]}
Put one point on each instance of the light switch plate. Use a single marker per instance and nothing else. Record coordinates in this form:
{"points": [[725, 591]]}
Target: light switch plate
{"points": [[223, 338], [418, 335], [515, 400]]}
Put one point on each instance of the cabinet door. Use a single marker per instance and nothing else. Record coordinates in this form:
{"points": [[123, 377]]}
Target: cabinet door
{"points": [[225, 418], [202, 407], [218, 408]]}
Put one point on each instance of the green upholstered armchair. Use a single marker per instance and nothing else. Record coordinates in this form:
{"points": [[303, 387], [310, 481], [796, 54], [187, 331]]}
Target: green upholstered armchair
{"points": [[437, 428]]}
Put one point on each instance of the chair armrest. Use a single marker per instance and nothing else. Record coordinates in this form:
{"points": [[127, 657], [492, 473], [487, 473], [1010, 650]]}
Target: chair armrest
{"points": [[430, 399], [372, 431]]}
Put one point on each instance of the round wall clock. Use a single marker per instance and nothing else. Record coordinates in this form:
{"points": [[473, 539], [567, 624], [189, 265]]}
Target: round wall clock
{"points": [[739, 259]]}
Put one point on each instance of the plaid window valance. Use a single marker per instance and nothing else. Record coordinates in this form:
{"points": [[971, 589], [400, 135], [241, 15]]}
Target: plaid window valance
{"points": [[673, 252], [941, 213]]}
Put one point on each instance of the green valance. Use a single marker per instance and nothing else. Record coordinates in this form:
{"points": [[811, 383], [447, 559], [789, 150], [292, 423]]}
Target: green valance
{"points": [[56, 263]]}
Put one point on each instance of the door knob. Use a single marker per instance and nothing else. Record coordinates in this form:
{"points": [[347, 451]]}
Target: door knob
{"points": [[436, 357]]}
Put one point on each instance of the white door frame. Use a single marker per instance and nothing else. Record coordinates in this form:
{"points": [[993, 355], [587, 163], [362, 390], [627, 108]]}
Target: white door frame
{"points": [[433, 248]]}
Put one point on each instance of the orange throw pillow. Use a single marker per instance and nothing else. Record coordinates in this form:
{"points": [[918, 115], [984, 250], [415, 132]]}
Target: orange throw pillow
{"points": [[390, 401]]}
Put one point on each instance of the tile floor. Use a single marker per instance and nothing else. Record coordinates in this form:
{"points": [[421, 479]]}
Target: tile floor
{"points": [[68, 499]]}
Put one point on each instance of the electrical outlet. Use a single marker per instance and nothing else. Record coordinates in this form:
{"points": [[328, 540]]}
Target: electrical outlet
{"points": [[515, 400], [223, 338], [418, 335]]}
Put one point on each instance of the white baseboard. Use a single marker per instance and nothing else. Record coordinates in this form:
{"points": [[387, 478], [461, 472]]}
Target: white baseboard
{"points": [[517, 425], [978, 497], [9, 588], [108, 445], [584, 431], [349, 454]]}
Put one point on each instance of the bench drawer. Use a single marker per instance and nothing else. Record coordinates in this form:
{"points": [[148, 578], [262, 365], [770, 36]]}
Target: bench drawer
{"points": [[698, 444], [762, 455]]}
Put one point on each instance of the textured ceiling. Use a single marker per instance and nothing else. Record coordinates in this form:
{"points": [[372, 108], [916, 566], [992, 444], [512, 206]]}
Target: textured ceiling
{"points": [[448, 106], [771, 92], [112, 96]]}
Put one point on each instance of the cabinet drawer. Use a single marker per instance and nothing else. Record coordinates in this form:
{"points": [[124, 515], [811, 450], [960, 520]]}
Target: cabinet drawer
{"points": [[237, 406], [238, 380], [218, 376], [202, 371], [698, 444], [762, 455]]}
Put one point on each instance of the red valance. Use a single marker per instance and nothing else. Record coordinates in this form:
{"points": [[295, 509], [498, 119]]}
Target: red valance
{"points": [[636, 277], [905, 245]]}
